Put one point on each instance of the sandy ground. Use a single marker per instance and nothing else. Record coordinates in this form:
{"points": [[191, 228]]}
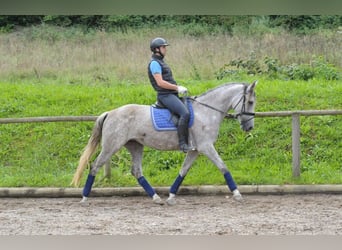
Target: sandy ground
{"points": [[311, 214]]}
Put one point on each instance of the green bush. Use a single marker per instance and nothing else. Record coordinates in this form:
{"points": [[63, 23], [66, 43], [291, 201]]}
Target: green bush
{"points": [[318, 68], [247, 24], [305, 24], [325, 69]]}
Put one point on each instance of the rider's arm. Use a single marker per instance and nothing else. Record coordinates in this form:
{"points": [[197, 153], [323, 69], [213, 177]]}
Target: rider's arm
{"points": [[156, 72]]}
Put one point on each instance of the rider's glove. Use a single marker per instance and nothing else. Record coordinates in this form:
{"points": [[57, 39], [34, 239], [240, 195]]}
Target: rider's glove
{"points": [[182, 90]]}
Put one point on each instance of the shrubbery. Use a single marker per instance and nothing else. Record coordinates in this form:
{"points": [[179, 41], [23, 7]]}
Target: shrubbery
{"points": [[301, 24], [318, 68]]}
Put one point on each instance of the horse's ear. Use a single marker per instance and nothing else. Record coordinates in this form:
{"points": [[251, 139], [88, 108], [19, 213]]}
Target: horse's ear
{"points": [[252, 86]]}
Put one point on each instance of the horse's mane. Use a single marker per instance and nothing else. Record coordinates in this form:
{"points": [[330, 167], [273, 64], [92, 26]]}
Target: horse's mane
{"points": [[220, 86]]}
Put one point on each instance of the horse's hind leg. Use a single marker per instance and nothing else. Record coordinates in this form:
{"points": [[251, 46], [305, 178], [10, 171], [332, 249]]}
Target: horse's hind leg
{"points": [[136, 150], [101, 159], [107, 170], [190, 158]]}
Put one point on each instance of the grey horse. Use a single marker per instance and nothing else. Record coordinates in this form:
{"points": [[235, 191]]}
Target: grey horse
{"points": [[130, 126]]}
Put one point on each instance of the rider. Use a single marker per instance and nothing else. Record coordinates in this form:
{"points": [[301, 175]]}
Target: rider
{"points": [[161, 78]]}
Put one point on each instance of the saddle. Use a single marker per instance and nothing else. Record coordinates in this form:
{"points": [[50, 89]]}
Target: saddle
{"points": [[164, 120]]}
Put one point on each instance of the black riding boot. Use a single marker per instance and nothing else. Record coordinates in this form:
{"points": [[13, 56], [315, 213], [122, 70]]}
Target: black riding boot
{"points": [[183, 135]]}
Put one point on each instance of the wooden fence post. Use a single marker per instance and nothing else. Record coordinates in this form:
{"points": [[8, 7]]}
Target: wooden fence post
{"points": [[296, 145]]}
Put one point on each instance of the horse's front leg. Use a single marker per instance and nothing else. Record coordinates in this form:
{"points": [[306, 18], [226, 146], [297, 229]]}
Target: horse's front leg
{"points": [[190, 157], [212, 154]]}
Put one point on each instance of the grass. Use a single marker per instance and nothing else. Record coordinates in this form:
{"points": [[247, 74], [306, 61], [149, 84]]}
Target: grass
{"points": [[49, 72], [46, 154], [78, 57]]}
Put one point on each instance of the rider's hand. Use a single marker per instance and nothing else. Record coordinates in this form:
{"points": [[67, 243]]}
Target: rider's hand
{"points": [[182, 90]]}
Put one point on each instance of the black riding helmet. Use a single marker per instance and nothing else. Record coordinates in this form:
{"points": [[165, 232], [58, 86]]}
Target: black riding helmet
{"points": [[157, 42]]}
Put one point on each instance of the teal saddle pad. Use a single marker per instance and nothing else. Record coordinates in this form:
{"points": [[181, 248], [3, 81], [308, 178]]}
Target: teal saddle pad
{"points": [[164, 120]]}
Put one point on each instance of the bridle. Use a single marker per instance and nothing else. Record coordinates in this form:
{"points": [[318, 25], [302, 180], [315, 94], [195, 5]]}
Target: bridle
{"points": [[236, 115]]}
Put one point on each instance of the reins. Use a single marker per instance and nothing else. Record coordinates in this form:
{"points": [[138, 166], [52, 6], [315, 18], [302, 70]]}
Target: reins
{"points": [[227, 115], [213, 108]]}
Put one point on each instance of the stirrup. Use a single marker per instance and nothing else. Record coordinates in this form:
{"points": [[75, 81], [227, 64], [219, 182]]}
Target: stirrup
{"points": [[186, 148]]}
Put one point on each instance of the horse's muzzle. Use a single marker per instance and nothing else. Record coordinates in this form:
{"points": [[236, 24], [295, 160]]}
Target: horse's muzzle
{"points": [[248, 124], [248, 129]]}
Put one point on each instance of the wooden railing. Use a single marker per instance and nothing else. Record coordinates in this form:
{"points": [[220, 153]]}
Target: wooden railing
{"points": [[296, 130], [294, 114]]}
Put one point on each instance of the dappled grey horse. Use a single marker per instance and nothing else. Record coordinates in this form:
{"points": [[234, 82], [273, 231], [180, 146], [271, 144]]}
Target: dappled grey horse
{"points": [[130, 126]]}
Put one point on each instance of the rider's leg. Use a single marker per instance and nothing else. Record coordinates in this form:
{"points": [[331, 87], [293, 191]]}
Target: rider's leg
{"points": [[175, 105], [183, 134]]}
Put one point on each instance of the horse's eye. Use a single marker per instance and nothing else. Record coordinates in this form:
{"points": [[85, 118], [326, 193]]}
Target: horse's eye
{"points": [[250, 102]]}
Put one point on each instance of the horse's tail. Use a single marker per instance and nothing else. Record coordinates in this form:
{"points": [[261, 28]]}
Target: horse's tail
{"points": [[90, 149]]}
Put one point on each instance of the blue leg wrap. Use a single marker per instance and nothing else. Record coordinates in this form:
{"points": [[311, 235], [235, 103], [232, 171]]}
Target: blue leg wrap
{"points": [[88, 185], [147, 187], [230, 182], [175, 186]]}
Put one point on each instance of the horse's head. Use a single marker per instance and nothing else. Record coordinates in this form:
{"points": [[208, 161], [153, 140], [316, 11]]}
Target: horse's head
{"points": [[244, 108]]}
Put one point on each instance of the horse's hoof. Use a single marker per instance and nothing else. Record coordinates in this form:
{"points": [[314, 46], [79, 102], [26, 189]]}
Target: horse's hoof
{"points": [[171, 201], [238, 197], [84, 201], [158, 200]]}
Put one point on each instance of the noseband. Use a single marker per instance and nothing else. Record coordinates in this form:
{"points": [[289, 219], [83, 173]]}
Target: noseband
{"points": [[236, 115], [243, 109]]}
